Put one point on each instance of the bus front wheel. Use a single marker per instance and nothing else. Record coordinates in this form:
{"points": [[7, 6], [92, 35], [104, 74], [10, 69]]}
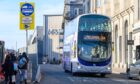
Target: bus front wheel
{"points": [[103, 75], [73, 73], [66, 71]]}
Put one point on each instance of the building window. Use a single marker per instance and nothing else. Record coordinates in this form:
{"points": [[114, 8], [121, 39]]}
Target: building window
{"points": [[120, 48], [98, 3], [80, 11], [84, 9], [138, 9], [89, 6], [116, 47], [125, 41], [75, 12], [105, 1], [60, 40], [130, 49], [137, 52]]}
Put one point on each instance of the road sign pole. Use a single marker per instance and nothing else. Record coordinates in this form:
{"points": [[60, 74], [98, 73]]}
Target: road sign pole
{"points": [[27, 41]]}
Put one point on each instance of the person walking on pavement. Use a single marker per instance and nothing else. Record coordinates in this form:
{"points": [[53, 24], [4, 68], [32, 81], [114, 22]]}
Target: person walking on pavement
{"points": [[15, 65], [13, 57], [8, 70], [23, 66], [19, 56]]}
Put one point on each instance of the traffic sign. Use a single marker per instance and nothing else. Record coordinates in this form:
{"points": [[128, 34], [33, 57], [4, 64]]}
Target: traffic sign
{"points": [[27, 15], [27, 9]]}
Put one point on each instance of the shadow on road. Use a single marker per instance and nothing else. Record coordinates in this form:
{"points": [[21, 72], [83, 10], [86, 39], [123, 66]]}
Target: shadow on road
{"points": [[113, 75], [87, 75]]}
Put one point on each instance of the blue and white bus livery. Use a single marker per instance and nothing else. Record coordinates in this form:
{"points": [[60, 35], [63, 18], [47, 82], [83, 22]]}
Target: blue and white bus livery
{"points": [[87, 44]]}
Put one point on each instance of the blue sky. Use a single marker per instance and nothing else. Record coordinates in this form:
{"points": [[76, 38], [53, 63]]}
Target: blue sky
{"points": [[9, 19]]}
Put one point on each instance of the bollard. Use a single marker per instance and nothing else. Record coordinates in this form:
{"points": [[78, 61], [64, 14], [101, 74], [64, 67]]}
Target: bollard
{"points": [[38, 75]]}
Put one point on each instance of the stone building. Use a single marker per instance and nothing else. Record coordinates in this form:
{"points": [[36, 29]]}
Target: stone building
{"points": [[122, 14]]}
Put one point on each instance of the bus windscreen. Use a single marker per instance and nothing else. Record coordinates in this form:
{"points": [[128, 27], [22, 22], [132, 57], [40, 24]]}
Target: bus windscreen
{"points": [[94, 38], [95, 23]]}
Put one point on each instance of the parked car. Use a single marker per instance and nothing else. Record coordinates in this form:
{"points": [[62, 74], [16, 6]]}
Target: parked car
{"points": [[134, 70]]}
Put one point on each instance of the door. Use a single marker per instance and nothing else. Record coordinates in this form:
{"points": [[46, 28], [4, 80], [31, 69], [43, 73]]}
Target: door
{"points": [[138, 52]]}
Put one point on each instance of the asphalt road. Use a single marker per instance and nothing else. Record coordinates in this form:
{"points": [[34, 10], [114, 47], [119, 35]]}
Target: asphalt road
{"points": [[54, 74]]}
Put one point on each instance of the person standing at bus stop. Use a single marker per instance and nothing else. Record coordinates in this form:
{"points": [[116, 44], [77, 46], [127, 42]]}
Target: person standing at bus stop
{"points": [[23, 66]]}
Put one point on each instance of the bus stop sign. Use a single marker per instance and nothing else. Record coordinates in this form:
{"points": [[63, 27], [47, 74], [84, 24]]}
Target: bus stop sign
{"points": [[27, 16], [27, 9]]}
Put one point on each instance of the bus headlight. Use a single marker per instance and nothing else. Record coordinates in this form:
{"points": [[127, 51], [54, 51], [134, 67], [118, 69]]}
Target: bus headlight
{"points": [[79, 67], [108, 68]]}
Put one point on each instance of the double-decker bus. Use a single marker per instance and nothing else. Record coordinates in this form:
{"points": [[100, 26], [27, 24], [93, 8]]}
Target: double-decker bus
{"points": [[87, 44], [1, 51]]}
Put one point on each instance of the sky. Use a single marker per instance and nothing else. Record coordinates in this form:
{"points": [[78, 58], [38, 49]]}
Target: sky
{"points": [[9, 19]]}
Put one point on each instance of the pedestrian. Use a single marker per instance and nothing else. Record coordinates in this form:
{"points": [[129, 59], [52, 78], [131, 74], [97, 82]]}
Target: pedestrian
{"points": [[19, 56], [8, 70], [15, 66], [54, 60], [23, 66], [13, 57]]}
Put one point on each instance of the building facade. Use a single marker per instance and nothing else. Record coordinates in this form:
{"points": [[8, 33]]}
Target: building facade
{"points": [[72, 9], [52, 30], [122, 14], [136, 29]]}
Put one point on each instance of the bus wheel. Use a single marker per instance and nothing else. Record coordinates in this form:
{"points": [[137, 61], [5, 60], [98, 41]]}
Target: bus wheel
{"points": [[71, 68], [103, 75], [73, 73], [66, 71]]}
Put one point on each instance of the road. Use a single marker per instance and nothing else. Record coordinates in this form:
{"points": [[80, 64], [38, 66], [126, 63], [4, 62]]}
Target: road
{"points": [[54, 74]]}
